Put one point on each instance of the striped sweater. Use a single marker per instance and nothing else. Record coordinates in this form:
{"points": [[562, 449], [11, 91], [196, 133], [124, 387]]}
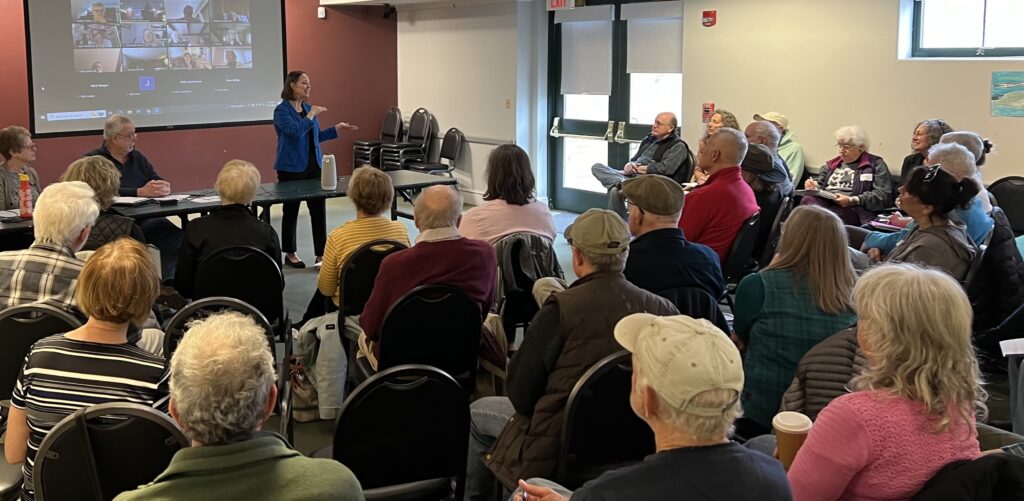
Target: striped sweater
{"points": [[62, 375]]}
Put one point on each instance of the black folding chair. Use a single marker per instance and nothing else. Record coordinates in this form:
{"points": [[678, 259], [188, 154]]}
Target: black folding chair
{"points": [[436, 325], [1009, 194], [517, 307], [100, 451], [415, 148], [737, 264], [404, 434], [359, 272], [767, 252], [368, 152], [598, 403], [451, 146], [247, 274], [697, 303]]}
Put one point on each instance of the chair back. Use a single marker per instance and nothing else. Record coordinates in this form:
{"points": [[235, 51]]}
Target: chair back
{"points": [[516, 304], [1009, 194], [772, 241], [436, 325], [359, 271], [979, 258], [100, 451], [244, 273], [420, 127], [175, 329], [737, 265], [407, 424], [598, 403], [451, 145], [697, 303], [20, 327], [391, 128], [992, 476]]}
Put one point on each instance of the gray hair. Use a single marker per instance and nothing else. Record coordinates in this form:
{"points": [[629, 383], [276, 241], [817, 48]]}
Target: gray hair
{"points": [[692, 425], [766, 132], [934, 128], [62, 211], [853, 134], [438, 207], [955, 159], [221, 378], [113, 125], [607, 263]]}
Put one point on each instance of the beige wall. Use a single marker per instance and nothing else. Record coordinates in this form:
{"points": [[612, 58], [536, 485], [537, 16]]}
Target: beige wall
{"points": [[829, 63]]}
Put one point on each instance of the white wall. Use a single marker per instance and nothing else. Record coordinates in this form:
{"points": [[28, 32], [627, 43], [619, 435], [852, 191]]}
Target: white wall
{"points": [[829, 63], [475, 67]]}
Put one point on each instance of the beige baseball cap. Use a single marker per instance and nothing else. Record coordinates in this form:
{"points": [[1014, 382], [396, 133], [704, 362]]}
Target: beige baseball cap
{"points": [[599, 231], [681, 357], [773, 116], [655, 194]]}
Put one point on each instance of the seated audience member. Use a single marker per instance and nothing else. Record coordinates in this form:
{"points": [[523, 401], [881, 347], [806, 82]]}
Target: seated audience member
{"points": [[765, 133], [859, 180], [790, 150], [929, 196], [441, 256], [222, 391], [767, 184], [913, 409], [18, 150], [660, 257], [926, 134], [570, 333], [231, 224], [47, 272], [139, 179], [94, 363], [686, 382], [716, 210], [510, 202], [371, 192], [661, 152], [101, 175], [801, 298], [722, 118], [979, 149]]}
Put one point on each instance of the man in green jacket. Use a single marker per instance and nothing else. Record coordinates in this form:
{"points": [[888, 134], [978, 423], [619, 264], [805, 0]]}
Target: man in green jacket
{"points": [[222, 391]]}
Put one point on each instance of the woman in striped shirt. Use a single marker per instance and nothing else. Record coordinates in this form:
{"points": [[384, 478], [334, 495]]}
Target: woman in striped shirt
{"points": [[92, 364]]}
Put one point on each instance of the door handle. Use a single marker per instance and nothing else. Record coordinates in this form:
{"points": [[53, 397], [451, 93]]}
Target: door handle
{"points": [[609, 134], [620, 135], [556, 131]]}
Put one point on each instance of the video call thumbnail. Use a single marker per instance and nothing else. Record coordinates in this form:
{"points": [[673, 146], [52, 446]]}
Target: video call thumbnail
{"points": [[161, 34]]}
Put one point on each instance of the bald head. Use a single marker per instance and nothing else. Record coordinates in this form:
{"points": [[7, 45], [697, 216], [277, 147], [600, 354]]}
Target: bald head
{"points": [[725, 148], [438, 207], [763, 132]]}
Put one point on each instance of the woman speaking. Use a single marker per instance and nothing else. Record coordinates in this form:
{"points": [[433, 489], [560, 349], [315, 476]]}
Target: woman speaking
{"points": [[298, 157]]}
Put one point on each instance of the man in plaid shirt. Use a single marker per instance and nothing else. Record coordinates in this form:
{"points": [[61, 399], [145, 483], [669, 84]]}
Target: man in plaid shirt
{"points": [[47, 272]]}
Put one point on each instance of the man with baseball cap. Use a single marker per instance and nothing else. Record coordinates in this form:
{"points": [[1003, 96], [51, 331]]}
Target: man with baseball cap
{"points": [[687, 378], [660, 257], [790, 150], [570, 333], [765, 133], [759, 171]]}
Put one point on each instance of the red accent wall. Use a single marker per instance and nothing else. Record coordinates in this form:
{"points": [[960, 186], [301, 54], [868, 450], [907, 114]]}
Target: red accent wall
{"points": [[351, 58]]}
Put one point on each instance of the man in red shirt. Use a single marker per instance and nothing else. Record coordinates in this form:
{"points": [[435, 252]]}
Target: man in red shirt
{"points": [[441, 256], [716, 210]]}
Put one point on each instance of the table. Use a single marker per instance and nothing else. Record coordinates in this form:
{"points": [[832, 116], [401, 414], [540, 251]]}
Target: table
{"points": [[268, 194]]}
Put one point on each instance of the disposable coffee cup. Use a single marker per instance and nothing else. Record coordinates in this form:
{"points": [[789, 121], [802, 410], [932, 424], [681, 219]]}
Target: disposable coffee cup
{"points": [[791, 429]]}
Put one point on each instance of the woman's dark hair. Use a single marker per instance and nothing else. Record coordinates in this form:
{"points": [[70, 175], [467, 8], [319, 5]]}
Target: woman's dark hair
{"points": [[986, 148], [938, 188], [289, 79], [509, 176]]}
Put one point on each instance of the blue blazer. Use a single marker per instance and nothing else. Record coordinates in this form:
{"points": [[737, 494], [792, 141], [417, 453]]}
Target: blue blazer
{"points": [[293, 137]]}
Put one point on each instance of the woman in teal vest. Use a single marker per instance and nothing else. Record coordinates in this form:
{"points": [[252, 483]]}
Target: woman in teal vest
{"points": [[801, 298]]}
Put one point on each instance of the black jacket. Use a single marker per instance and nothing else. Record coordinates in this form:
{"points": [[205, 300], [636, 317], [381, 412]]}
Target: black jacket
{"points": [[995, 477]]}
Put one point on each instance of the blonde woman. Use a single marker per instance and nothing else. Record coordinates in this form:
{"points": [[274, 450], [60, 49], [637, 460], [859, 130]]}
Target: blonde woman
{"points": [[913, 409], [801, 298], [104, 179]]}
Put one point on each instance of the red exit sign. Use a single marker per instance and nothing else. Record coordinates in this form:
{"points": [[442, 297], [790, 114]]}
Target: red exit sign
{"points": [[561, 4]]}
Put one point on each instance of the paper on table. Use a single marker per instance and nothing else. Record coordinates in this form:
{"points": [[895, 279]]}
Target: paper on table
{"points": [[204, 200], [172, 197], [130, 200], [1012, 347]]}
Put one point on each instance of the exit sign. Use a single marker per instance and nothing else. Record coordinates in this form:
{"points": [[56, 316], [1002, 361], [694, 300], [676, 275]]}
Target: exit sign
{"points": [[561, 4]]}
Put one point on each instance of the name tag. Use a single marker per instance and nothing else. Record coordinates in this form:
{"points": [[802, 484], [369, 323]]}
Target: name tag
{"points": [[867, 176]]}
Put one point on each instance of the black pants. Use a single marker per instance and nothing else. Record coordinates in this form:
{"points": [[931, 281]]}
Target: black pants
{"points": [[317, 214], [168, 238]]}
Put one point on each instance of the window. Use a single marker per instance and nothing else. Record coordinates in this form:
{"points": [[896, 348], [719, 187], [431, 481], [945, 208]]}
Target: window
{"points": [[968, 28]]}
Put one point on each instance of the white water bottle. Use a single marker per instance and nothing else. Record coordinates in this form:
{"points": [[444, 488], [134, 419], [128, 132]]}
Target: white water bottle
{"points": [[329, 174]]}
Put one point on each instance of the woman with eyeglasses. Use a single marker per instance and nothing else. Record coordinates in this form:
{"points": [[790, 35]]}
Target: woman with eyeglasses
{"points": [[858, 184], [929, 196], [913, 409], [18, 150], [926, 134]]}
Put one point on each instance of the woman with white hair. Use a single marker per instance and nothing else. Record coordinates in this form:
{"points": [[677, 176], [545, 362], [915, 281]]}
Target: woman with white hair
{"points": [[230, 225], [859, 181], [913, 409]]}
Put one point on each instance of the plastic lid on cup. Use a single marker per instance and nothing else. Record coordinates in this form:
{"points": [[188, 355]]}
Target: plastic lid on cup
{"points": [[791, 422]]}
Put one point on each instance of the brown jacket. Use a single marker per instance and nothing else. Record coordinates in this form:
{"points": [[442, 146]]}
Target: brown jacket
{"points": [[589, 309]]}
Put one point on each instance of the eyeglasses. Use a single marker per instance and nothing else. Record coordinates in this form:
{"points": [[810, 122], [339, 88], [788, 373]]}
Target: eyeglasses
{"points": [[846, 146], [127, 136], [660, 124], [30, 146], [932, 172]]}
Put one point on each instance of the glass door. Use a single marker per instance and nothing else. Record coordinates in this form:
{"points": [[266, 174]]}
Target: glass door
{"points": [[606, 89]]}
